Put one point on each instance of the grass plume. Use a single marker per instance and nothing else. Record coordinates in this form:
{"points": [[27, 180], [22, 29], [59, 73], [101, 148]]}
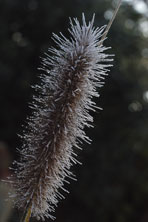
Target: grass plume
{"points": [[71, 78]]}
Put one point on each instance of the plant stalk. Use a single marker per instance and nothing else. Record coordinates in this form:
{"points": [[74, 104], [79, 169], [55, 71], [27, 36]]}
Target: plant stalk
{"points": [[26, 216], [110, 22]]}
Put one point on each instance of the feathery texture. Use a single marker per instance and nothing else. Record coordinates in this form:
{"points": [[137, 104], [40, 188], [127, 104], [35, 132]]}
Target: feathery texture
{"points": [[61, 111]]}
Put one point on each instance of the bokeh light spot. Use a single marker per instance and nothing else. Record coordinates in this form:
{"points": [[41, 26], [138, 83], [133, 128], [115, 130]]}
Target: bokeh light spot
{"points": [[135, 106]]}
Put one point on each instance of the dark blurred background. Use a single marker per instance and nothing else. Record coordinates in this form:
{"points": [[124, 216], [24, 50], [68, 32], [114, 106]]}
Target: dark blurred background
{"points": [[112, 183]]}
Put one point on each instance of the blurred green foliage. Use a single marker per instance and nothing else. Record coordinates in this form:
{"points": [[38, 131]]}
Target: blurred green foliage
{"points": [[113, 181]]}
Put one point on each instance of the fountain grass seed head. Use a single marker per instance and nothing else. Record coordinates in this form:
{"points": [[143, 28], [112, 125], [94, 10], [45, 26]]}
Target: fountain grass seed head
{"points": [[71, 78]]}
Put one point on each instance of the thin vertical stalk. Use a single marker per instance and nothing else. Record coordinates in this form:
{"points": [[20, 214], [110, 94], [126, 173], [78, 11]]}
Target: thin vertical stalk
{"points": [[111, 22], [26, 215]]}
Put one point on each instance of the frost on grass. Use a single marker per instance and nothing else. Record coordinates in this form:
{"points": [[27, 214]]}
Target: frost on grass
{"points": [[61, 111]]}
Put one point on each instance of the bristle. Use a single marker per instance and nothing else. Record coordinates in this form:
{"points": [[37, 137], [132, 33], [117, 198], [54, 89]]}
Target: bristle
{"points": [[60, 113]]}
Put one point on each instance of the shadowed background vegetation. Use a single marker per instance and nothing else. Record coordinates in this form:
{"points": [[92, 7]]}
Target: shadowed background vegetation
{"points": [[112, 183]]}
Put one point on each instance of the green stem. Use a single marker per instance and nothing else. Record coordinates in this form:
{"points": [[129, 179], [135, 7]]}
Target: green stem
{"points": [[27, 214]]}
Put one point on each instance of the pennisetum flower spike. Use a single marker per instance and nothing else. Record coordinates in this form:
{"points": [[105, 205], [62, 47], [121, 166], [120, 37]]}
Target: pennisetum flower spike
{"points": [[61, 111]]}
